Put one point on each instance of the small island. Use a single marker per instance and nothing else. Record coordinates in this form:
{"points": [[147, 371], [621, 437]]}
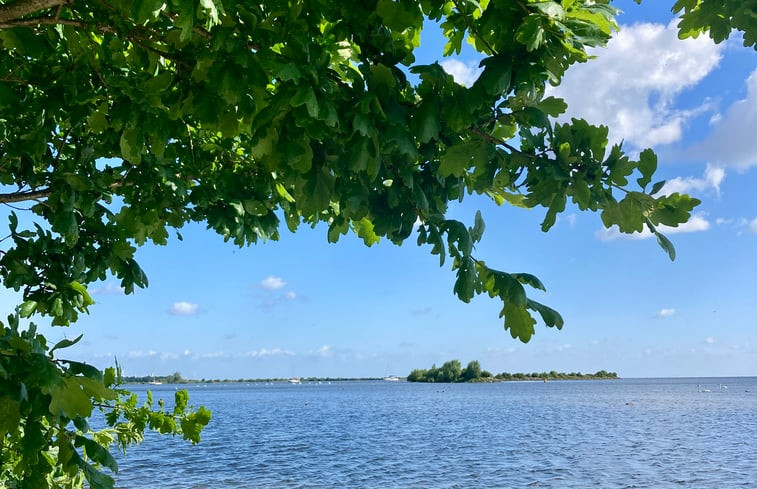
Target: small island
{"points": [[452, 371]]}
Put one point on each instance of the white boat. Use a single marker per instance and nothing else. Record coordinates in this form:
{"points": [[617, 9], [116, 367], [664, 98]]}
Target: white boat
{"points": [[392, 378], [294, 380]]}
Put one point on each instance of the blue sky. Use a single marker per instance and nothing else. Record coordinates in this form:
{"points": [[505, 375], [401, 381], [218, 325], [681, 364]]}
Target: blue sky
{"points": [[303, 307]]}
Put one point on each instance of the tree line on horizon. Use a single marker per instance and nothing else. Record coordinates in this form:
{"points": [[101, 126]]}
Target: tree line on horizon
{"points": [[452, 371]]}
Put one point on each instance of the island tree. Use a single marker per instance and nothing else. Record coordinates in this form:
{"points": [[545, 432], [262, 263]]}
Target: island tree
{"points": [[121, 121]]}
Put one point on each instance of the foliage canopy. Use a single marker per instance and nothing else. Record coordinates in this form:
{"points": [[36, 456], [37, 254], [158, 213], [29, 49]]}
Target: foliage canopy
{"points": [[122, 120]]}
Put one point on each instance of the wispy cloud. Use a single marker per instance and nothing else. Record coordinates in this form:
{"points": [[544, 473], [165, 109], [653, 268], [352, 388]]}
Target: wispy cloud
{"points": [[696, 223], [635, 82], [184, 308], [709, 340], [273, 283], [463, 73], [732, 141], [665, 312]]}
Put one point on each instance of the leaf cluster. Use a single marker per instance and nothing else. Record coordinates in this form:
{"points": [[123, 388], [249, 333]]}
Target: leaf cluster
{"points": [[121, 121], [46, 403]]}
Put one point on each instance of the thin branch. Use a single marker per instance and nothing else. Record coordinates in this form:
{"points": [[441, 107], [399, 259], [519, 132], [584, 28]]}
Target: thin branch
{"points": [[37, 21]]}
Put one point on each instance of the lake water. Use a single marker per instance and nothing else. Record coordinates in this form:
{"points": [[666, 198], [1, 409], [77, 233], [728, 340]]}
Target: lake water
{"points": [[631, 433]]}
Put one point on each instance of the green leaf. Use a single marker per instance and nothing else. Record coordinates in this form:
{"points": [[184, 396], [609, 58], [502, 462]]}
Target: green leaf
{"points": [[657, 187], [518, 321], [27, 308], [65, 343], [478, 228], [465, 285], [192, 425], [123, 250], [528, 279], [552, 106], [550, 317], [97, 453], [666, 245], [306, 96], [131, 149], [593, 18], [365, 230], [69, 399], [531, 33], [425, 122], [10, 416], [88, 371], [549, 8], [647, 167], [496, 77], [96, 479], [458, 159]]}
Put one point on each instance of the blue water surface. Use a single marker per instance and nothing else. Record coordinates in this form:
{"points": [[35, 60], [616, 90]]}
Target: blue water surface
{"points": [[631, 433]]}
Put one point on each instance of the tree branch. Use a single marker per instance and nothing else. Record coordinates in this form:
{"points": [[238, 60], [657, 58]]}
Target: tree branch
{"points": [[20, 8], [23, 196]]}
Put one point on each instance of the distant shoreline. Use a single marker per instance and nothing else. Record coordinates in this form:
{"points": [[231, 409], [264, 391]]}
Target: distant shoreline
{"points": [[159, 380], [177, 379]]}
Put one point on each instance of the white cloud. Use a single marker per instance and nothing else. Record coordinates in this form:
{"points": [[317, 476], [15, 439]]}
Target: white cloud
{"points": [[324, 351], [463, 73], [272, 283], [109, 288], [184, 308], [709, 340], [665, 312], [696, 223], [632, 84], [289, 296], [732, 140], [713, 177]]}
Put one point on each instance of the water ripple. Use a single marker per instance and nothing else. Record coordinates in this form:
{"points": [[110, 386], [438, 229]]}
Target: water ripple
{"points": [[611, 434]]}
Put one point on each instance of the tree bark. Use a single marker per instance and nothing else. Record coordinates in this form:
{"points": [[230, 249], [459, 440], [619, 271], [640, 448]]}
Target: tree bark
{"points": [[20, 8]]}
